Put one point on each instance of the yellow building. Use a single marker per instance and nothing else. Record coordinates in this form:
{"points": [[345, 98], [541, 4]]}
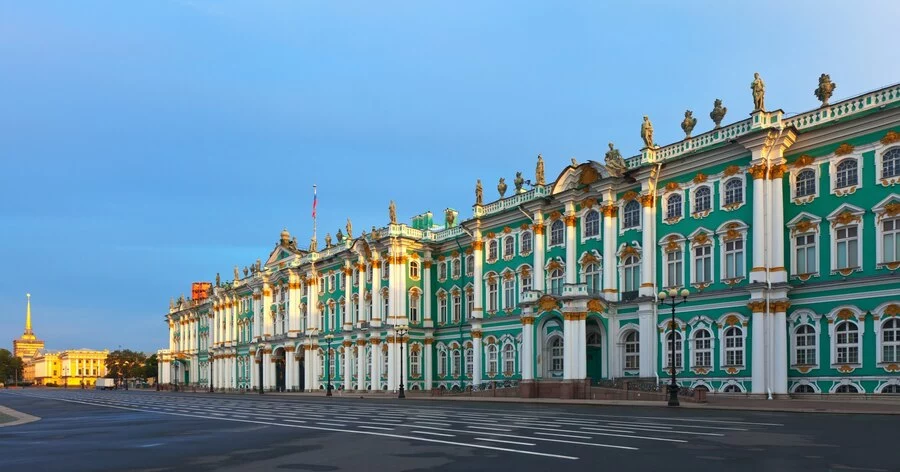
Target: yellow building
{"points": [[72, 367], [27, 345]]}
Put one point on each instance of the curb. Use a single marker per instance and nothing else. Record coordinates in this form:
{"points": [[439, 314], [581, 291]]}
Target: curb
{"points": [[20, 418]]}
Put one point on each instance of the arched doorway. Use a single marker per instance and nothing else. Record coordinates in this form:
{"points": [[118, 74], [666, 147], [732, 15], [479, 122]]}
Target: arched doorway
{"points": [[551, 359], [278, 359], [594, 349]]}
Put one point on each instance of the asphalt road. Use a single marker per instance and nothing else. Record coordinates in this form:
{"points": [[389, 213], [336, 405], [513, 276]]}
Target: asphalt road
{"points": [[135, 430]]}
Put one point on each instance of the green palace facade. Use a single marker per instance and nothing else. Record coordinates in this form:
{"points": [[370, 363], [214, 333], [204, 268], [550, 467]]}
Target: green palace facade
{"points": [[785, 230]]}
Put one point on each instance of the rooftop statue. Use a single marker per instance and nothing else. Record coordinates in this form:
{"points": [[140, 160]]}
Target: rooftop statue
{"points": [[340, 236], [825, 89], [519, 182], [688, 124], [539, 171], [718, 112], [449, 217], [479, 193], [218, 280], [392, 212], [501, 187], [615, 164], [349, 229], [647, 132], [327, 240], [237, 275], [759, 92]]}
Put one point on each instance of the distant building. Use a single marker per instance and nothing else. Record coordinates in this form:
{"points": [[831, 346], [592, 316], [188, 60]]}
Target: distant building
{"points": [[71, 367], [28, 345]]}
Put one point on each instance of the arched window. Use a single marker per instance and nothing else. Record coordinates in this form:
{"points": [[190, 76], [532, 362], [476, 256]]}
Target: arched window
{"points": [[891, 389], [509, 359], [847, 388], [847, 174], [492, 250], [442, 308], [414, 269], [702, 199], [592, 277], [592, 224], [470, 362], [509, 292], [734, 346], [493, 360], [492, 294], [557, 233], [556, 354], [702, 349], [414, 363], [332, 356], [509, 246], [414, 306], [442, 363], [632, 347], [734, 191], [355, 277], [455, 271], [526, 242], [673, 338], [470, 301], [631, 272], [631, 215], [733, 388], [593, 338], [556, 281], [890, 164], [442, 271], [805, 184], [369, 275], [805, 345], [386, 306], [457, 307], [804, 388], [470, 265], [674, 206], [385, 270], [526, 279], [890, 340], [847, 344]]}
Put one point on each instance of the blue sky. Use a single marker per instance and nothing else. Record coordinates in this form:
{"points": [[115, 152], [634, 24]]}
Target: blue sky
{"points": [[146, 145]]}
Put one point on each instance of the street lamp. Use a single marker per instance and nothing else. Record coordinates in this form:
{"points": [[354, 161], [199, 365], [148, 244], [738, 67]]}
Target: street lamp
{"points": [[212, 357], [125, 373], [261, 358], [401, 332], [671, 299], [328, 338]]}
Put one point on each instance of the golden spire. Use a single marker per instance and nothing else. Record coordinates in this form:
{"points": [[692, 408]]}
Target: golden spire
{"points": [[28, 334]]}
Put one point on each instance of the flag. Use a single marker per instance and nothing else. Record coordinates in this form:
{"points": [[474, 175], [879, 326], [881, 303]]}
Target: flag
{"points": [[314, 201]]}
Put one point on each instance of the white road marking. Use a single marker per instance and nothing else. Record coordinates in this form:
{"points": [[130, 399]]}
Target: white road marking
{"points": [[572, 436], [331, 424], [649, 430], [151, 445], [505, 442], [293, 421], [611, 446], [431, 424], [489, 428], [434, 434], [375, 427]]}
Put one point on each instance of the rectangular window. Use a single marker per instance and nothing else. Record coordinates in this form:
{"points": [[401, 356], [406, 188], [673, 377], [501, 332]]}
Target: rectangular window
{"points": [[847, 247], [805, 251], [734, 259], [509, 295], [442, 310], [470, 302], [703, 264], [526, 283], [492, 296], [675, 268], [457, 308], [890, 240]]}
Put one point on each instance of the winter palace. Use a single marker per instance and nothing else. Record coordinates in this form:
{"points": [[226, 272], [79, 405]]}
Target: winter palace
{"points": [[785, 230]]}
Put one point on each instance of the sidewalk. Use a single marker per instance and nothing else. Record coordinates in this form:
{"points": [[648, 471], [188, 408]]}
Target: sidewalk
{"points": [[10, 417], [835, 406]]}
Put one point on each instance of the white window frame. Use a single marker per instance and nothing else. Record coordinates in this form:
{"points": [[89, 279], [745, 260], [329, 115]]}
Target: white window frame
{"points": [[415, 306], [814, 230], [723, 251], [456, 306], [492, 290], [880, 328], [693, 200], [443, 307], [507, 359], [455, 268], [509, 293], [726, 349], [584, 224], [415, 270], [723, 187], [708, 246], [640, 210], [666, 262], [492, 354], [851, 327], [832, 334], [795, 173], [507, 252], [635, 268], [833, 164], [551, 279], [442, 271], [562, 240], [470, 265], [879, 166], [442, 359], [795, 344], [523, 251], [672, 219], [594, 275], [680, 341], [635, 354], [522, 278], [880, 211], [697, 351], [493, 250], [834, 226]]}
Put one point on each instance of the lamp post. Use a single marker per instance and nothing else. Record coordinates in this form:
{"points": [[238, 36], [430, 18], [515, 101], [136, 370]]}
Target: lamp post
{"points": [[125, 373], [261, 358], [212, 357], [671, 299], [401, 332], [328, 339]]}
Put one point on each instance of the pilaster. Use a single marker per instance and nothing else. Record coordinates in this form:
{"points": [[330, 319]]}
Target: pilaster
{"points": [[539, 252]]}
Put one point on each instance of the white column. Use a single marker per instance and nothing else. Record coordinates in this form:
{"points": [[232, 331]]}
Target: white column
{"points": [[257, 314], [427, 358], [478, 277], [267, 371], [777, 271], [527, 348], [308, 367], [361, 302], [538, 282], [268, 323], [360, 365], [648, 339], [312, 302], [293, 309], [571, 245], [426, 285], [648, 245], [568, 345], [348, 364], [477, 356], [348, 300], [393, 361], [610, 243], [580, 351], [758, 351], [377, 303], [758, 272], [229, 320], [376, 364]]}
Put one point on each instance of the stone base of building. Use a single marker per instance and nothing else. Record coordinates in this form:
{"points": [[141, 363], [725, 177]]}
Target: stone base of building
{"points": [[527, 389], [564, 389]]}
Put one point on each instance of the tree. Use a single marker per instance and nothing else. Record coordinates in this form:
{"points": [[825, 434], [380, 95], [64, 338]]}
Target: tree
{"points": [[151, 367], [11, 368], [125, 363]]}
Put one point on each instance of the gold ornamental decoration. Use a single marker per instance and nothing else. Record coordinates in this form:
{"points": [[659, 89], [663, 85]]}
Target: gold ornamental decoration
{"points": [[507, 230], [732, 170], [701, 239], [570, 220], [844, 149], [555, 215], [589, 259], [892, 209], [610, 211], [845, 314], [548, 303], [595, 305], [732, 320], [629, 195], [588, 175], [588, 203], [524, 227], [758, 171], [647, 200], [553, 265], [890, 137], [538, 229], [672, 186], [845, 218], [628, 251], [804, 226], [892, 310], [777, 171], [490, 235], [700, 178], [804, 160]]}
